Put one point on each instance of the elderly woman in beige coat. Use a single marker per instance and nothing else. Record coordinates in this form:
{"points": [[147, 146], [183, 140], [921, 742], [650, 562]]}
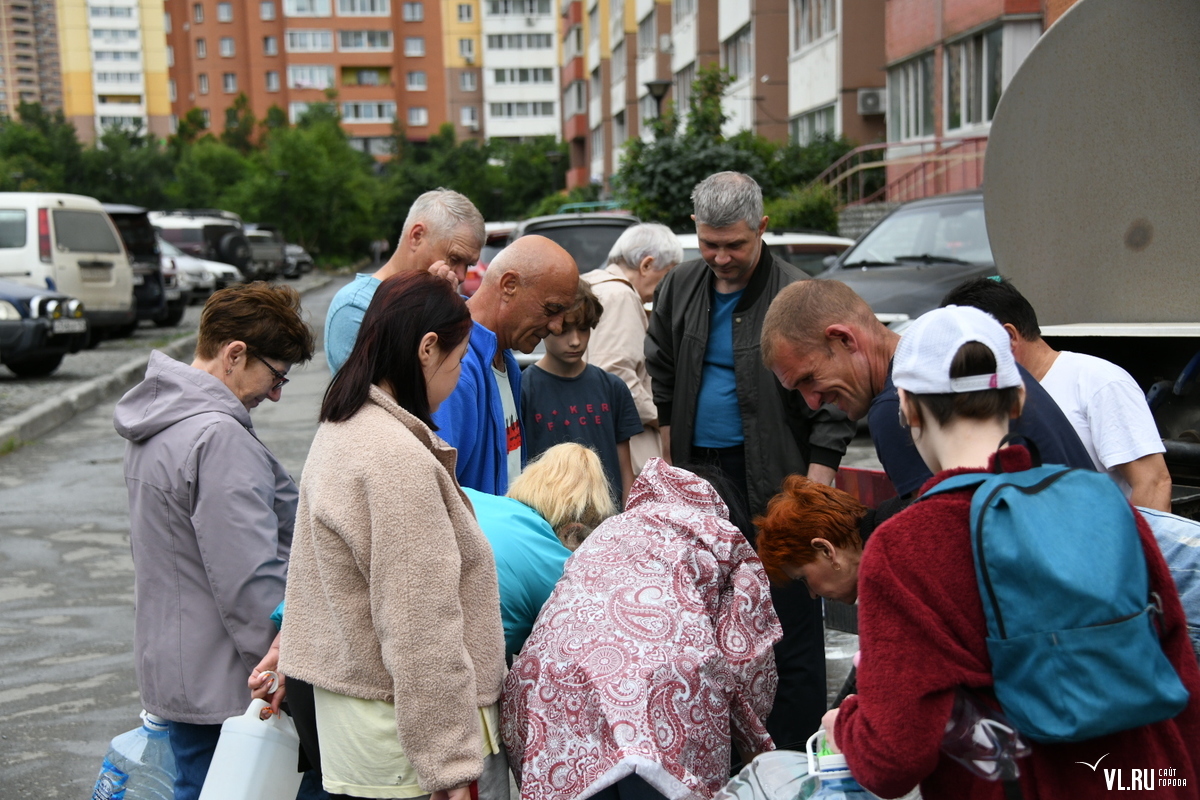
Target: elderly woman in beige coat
{"points": [[393, 611], [638, 261]]}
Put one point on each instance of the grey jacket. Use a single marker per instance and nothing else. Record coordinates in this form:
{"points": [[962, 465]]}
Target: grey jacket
{"points": [[782, 434], [211, 513]]}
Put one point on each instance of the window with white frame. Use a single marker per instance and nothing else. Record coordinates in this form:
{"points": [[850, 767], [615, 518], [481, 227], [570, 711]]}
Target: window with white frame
{"points": [[683, 87], [115, 55], [812, 20], [521, 109], [224, 12], [309, 41], [620, 130], [306, 8], [806, 127], [369, 111], [270, 46], [468, 116], [119, 77], [646, 37], [166, 22], [594, 24], [201, 48], [647, 109], [418, 116], [415, 81], [521, 41], [910, 99], [133, 123], [598, 142], [115, 35], [466, 12], [575, 99], [120, 12], [229, 82], [739, 55], [266, 10], [619, 67], [466, 48], [202, 83], [414, 46], [310, 76], [171, 91], [682, 9], [371, 41], [573, 43], [197, 12], [523, 8], [368, 77], [467, 82], [364, 8], [414, 12], [616, 19], [207, 117], [596, 86], [170, 56], [226, 46], [973, 79], [524, 75], [296, 111], [272, 81]]}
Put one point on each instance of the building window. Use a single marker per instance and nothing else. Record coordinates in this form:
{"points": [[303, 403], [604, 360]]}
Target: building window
{"points": [[466, 12], [306, 8], [739, 56], [227, 47], [598, 143], [521, 109], [201, 49], [682, 9], [910, 99], [367, 77], [114, 35], [530, 75], [170, 56], [378, 41], [616, 20], [224, 12], [973, 76], [266, 10], [574, 100], [811, 20], [573, 43], [807, 127], [521, 8], [414, 46], [229, 82], [112, 55], [467, 82], [469, 117], [207, 117], [118, 77], [618, 62], [620, 130], [122, 12], [272, 81], [416, 82], [309, 41], [166, 22], [369, 111], [318, 76], [646, 38], [414, 12], [594, 24], [171, 92], [647, 110], [270, 46], [466, 48], [296, 111], [202, 83], [683, 87], [198, 12], [365, 8], [418, 116]]}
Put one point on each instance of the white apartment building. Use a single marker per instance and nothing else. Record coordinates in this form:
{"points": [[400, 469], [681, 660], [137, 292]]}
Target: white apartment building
{"points": [[118, 68], [520, 68]]}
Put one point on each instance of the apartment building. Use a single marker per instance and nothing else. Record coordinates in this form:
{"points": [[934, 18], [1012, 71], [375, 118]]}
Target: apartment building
{"points": [[462, 31], [113, 65], [520, 68], [640, 53], [29, 68]]}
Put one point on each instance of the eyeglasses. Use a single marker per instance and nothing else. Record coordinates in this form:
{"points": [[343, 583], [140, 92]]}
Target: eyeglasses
{"points": [[279, 376]]}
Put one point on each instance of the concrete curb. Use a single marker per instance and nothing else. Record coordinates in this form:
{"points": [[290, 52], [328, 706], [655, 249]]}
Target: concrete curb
{"points": [[47, 415]]}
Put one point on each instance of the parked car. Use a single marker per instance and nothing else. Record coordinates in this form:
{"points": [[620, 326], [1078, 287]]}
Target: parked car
{"points": [[156, 301], [194, 276], [297, 261], [38, 327], [66, 243], [587, 237], [807, 250], [207, 233], [497, 234], [907, 262], [268, 251]]}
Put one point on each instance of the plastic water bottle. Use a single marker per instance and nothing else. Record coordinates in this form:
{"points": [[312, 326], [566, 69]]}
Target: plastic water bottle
{"points": [[139, 764]]}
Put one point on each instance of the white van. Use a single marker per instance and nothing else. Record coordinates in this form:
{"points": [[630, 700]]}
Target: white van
{"points": [[67, 243]]}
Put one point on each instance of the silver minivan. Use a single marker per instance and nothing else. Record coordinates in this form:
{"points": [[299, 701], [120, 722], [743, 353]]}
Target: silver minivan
{"points": [[65, 242]]}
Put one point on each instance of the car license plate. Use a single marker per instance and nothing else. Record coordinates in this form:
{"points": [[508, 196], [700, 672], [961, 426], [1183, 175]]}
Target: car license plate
{"points": [[69, 325], [138, 280]]}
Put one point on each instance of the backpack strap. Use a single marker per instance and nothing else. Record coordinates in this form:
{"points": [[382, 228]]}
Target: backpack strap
{"points": [[1035, 455], [968, 481]]}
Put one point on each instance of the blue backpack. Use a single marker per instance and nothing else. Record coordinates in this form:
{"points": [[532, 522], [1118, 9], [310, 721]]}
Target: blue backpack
{"points": [[1071, 621]]}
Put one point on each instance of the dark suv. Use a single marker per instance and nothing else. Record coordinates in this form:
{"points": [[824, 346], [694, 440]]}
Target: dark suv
{"points": [[587, 237], [37, 328], [156, 301], [207, 233]]}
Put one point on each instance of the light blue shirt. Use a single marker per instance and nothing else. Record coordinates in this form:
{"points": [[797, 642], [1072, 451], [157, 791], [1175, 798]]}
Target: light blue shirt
{"points": [[344, 318], [1179, 540], [718, 416]]}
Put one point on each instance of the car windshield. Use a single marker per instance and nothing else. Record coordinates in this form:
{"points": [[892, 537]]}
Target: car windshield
{"points": [[587, 244], [951, 231], [182, 235], [137, 233], [168, 249]]}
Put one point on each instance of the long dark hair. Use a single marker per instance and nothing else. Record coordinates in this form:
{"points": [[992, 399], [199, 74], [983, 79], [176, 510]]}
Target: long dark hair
{"points": [[404, 309]]}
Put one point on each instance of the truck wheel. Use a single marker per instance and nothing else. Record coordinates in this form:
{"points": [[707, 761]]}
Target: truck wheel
{"points": [[35, 367], [235, 249]]}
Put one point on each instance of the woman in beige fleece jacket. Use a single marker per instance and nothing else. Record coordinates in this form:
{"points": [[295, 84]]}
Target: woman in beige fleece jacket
{"points": [[393, 612]]}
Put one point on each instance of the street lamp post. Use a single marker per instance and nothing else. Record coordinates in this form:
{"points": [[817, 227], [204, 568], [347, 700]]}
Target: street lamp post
{"points": [[658, 90]]}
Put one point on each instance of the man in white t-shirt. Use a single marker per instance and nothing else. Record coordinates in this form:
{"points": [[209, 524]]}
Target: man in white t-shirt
{"points": [[1104, 404]]}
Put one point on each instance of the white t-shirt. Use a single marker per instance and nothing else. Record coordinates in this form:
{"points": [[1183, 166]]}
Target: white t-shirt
{"points": [[1107, 410], [512, 424]]}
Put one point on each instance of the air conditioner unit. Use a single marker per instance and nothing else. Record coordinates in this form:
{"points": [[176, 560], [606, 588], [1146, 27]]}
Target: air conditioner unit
{"points": [[665, 45], [530, 22], [470, 60], [872, 101], [472, 126]]}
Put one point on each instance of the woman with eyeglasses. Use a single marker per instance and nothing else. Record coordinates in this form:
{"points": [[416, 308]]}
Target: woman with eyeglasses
{"points": [[211, 512]]}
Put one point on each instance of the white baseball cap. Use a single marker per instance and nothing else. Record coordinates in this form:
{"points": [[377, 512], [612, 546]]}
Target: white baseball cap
{"points": [[929, 345]]}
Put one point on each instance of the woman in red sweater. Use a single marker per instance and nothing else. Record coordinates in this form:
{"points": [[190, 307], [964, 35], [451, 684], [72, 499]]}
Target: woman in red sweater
{"points": [[921, 620]]}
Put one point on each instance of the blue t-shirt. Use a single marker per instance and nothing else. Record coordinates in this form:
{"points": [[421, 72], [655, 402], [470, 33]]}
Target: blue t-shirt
{"points": [[1041, 420], [594, 409], [529, 561], [718, 416], [344, 317]]}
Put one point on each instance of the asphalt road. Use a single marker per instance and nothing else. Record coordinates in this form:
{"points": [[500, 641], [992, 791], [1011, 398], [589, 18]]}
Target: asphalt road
{"points": [[66, 584]]}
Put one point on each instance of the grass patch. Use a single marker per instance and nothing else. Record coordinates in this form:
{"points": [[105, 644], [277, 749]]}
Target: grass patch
{"points": [[9, 445]]}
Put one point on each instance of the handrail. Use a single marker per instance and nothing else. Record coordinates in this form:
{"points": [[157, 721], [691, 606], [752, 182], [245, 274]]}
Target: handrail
{"points": [[865, 159], [940, 161]]}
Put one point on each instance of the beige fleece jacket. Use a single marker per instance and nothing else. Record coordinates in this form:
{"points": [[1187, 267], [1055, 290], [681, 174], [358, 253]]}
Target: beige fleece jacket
{"points": [[618, 341], [392, 591]]}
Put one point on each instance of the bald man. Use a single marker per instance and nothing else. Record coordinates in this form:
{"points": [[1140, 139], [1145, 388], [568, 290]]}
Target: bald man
{"points": [[525, 294]]}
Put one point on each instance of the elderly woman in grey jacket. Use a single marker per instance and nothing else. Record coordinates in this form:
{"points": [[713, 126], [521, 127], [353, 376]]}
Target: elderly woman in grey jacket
{"points": [[211, 513], [393, 610]]}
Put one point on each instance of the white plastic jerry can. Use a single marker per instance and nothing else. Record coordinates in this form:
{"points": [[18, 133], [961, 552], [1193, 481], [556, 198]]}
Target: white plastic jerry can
{"points": [[255, 758]]}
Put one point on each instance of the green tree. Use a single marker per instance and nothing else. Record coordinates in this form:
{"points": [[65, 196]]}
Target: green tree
{"points": [[126, 166], [39, 151], [239, 125], [207, 175]]}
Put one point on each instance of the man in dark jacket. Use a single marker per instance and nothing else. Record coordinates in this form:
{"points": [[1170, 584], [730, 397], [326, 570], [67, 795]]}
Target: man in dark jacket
{"points": [[718, 404]]}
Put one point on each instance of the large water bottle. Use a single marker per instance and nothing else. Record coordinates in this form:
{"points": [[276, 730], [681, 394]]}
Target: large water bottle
{"points": [[139, 764]]}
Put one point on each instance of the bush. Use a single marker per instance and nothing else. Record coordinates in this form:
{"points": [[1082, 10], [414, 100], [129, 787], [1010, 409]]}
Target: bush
{"points": [[810, 207]]}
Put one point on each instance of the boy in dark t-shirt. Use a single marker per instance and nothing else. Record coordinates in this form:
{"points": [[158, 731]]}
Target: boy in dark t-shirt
{"points": [[564, 399]]}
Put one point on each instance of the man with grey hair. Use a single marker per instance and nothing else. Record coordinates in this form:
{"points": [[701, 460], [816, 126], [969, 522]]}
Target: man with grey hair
{"points": [[718, 404], [637, 262], [443, 233]]}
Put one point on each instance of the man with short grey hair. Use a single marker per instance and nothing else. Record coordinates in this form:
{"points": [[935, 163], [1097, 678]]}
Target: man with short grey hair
{"points": [[443, 233], [718, 404]]}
